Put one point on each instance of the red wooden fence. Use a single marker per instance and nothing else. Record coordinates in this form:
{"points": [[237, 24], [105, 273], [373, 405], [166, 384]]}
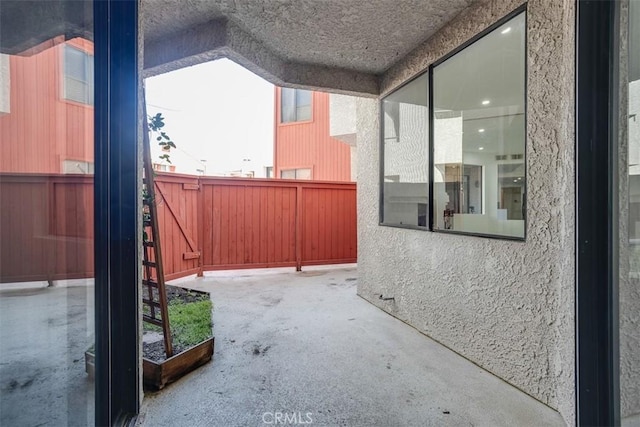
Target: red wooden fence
{"points": [[46, 227], [232, 223], [206, 223], [178, 219]]}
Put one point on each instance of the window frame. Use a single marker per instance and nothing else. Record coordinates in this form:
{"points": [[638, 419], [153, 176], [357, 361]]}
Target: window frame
{"points": [[117, 206], [89, 72], [597, 341], [296, 169], [431, 117], [295, 107]]}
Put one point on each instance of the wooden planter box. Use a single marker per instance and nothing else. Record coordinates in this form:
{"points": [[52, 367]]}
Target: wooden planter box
{"points": [[158, 374]]}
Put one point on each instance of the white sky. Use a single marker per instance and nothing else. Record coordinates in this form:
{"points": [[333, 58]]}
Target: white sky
{"points": [[217, 111]]}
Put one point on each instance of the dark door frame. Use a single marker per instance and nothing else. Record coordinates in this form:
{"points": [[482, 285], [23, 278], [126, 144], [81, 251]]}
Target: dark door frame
{"points": [[597, 100], [117, 197]]}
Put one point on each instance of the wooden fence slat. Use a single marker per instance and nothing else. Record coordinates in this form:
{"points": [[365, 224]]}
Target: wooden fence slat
{"points": [[201, 215], [233, 225], [300, 212], [191, 255], [240, 230], [264, 228], [248, 226], [224, 225], [277, 225], [255, 231]]}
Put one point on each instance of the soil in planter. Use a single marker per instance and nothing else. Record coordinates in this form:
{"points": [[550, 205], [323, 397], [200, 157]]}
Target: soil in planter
{"points": [[190, 319]]}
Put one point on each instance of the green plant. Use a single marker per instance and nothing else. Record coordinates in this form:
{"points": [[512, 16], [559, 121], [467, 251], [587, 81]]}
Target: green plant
{"points": [[190, 322], [156, 123]]}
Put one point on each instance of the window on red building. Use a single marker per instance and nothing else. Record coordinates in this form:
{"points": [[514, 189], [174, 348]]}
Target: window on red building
{"points": [[78, 75], [295, 105], [300, 173]]}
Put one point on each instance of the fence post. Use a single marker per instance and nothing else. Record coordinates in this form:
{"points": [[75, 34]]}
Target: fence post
{"points": [[299, 227], [52, 229], [200, 232]]}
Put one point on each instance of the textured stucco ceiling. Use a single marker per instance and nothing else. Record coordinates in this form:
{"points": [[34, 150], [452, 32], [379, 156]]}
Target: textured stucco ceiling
{"points": [[336, 45], [339, 45], [361, 35], [25, 24]]}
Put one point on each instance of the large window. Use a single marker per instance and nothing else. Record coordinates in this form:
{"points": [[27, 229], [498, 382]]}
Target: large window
{"points": [[78, 75], [479, 135], [405, 152], [295, 105], [478, 141]]}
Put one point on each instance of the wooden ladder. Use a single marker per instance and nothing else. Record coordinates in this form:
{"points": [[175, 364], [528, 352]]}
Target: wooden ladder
{"points": [[154, 301]]}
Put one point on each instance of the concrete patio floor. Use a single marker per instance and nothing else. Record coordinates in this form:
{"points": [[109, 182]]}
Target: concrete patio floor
{"points": [[44, 332], [304, 348]]}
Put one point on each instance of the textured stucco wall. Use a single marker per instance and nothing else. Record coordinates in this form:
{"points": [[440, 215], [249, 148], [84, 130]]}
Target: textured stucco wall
{"points": [[629, 295], [342, 118], [342, 125], [354, 163], [507, 306]]}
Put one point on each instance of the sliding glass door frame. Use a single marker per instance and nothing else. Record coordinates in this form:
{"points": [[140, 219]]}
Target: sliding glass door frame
{"points": [[597, 101], [117, 198]]}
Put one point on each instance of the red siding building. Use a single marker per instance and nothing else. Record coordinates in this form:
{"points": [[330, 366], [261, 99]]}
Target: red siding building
{"points": [[48, 127], [303, 148]]}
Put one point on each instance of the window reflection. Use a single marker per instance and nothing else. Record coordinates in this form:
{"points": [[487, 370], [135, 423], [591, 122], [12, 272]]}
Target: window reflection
{"points": [[479, 135], [406, 161], [46, 234]]}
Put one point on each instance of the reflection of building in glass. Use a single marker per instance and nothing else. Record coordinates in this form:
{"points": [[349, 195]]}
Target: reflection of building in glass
{"points": [[47, 127], [405, 178]]}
